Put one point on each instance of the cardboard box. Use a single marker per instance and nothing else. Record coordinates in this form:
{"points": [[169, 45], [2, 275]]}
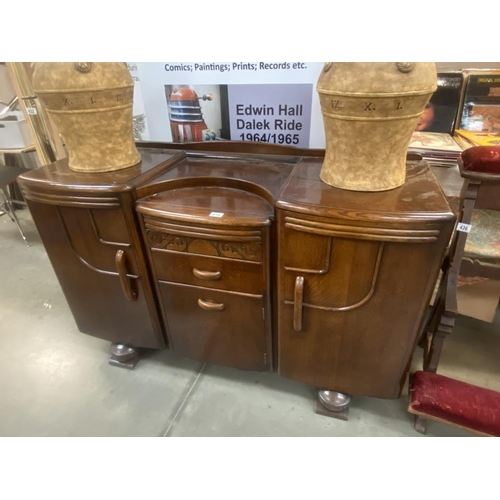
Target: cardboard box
{"points": [[478, 298]]}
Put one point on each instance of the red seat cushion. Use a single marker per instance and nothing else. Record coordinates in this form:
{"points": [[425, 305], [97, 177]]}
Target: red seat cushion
{"points": [[456, 402], [483, 159]]}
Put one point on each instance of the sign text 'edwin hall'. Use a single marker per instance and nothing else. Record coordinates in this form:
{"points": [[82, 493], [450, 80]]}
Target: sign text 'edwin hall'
{"points": [[283, 110]]}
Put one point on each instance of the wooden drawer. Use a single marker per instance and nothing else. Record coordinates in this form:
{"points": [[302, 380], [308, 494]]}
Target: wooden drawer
{"points": [[210, 272], [224, 328]]}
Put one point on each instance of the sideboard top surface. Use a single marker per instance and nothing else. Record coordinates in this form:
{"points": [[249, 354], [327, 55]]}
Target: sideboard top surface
{"points": [[285, 177], [263, 176], [212, 205], [58, 175], [420, 198]]}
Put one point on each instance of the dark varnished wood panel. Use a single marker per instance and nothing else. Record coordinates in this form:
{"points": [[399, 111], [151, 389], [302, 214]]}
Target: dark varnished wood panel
{"points": [[238, 247], [210, 272], [95, 246], [96, 219], [419, 199], [199, 204], [350, 340], [233, 336], [261, 176], [88, 276], [186, 246], [488, 197], [58, 176], [344, 283], [240, 148]]}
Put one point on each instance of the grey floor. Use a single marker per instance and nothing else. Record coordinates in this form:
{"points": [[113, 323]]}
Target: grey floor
{"points": [[55, 381]]}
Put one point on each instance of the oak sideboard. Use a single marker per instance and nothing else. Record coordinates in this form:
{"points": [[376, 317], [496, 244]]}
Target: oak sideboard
{"points": [[237, 254]]}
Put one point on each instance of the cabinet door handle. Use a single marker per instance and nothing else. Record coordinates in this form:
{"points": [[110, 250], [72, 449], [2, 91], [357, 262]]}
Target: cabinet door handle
{"points": [[210, 306], [122, 273], [297, 303], [207, 275]]}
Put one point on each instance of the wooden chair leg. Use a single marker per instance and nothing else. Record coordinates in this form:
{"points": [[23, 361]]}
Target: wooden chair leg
{"points": [[432, 322], [439, 326], [422, 341], [420, 424], [433, 352], [427, 332]]}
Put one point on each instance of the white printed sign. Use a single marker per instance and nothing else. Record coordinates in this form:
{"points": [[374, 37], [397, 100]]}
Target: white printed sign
{"points": [[254, 101]]}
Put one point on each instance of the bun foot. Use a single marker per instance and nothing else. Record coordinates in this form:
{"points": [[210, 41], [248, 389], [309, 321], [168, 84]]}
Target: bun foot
{"points": [[123, 356], [420, 424], [333, 404]]}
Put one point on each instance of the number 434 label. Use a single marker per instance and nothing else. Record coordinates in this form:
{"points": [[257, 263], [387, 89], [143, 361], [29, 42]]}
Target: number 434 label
{"points": [[464, 228]]}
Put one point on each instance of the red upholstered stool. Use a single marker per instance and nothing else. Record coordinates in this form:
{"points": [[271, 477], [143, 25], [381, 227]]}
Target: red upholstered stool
{"points": [[481, 159], [444, 399]]}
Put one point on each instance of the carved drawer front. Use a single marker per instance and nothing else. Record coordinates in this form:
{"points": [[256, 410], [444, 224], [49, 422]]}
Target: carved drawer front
{"points": [[238, 243], [223, 328], [210, 272], [226, 258]]}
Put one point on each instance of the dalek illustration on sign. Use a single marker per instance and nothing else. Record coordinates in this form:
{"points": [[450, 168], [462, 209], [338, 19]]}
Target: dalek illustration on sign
{"points": [[186, 116]]}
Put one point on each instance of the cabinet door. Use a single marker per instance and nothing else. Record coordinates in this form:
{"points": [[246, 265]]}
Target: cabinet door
{"points": [[351, 304], [95, 262], [223, 328]]}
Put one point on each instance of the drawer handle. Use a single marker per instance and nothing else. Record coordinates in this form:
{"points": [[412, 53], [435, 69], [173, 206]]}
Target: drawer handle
{"points": [[207, 275], [297, 303], [210, 306], [122, 273]]}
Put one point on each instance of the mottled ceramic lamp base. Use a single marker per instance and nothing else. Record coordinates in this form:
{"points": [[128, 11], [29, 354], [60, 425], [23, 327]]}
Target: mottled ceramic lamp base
{"points": [[92, 106], [370, 111]]}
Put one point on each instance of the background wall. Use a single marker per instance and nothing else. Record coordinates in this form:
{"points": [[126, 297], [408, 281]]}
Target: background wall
{"points": [[6, 89], [149, 79], [153, 77], [463, 65]]}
